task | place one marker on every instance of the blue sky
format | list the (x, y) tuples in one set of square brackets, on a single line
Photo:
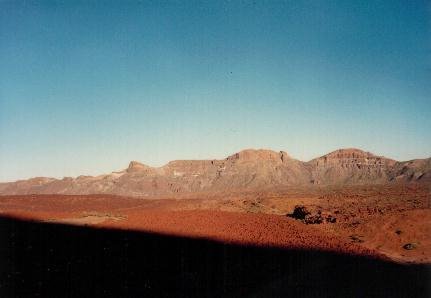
[(87, 86)]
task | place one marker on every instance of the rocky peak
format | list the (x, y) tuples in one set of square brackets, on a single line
[(136, 166)]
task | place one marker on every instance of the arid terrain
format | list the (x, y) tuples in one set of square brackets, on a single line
[(348, 202), (257, 170), (383, 221), (348, 199)]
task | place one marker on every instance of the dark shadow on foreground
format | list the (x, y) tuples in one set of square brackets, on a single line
[(52, 260)]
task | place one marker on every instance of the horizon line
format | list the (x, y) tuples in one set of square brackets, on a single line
[(209, 159)]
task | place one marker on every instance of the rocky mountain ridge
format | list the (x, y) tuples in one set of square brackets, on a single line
[(247, 169)]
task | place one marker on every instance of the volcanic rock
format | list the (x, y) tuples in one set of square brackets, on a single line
[(246, 170)]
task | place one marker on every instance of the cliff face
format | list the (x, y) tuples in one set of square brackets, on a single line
[(351, 166), (248, 169)]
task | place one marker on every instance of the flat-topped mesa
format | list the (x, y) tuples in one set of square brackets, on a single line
[(352, 156), (350, 153), (258, 154), (350, 166)]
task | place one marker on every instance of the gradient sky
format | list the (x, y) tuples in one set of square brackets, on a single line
[(85, 87)]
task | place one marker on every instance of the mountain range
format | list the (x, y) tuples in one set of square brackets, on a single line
[(247, 169)]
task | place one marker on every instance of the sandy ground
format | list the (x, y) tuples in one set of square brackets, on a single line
[(392, 223)]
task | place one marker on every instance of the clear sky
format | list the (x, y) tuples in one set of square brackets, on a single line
[(85, 87)]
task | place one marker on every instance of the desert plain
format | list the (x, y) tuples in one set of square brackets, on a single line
[(349, 203)]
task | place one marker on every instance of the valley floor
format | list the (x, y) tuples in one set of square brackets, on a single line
[(383, 222)]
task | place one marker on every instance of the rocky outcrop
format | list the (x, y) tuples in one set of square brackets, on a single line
[(247, 169), (413, 170), (311, 216), (350, 166)]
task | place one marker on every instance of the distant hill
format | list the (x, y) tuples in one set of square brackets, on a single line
[(247, 169)]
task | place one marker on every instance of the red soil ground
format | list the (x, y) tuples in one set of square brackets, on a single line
[(255, 220)]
